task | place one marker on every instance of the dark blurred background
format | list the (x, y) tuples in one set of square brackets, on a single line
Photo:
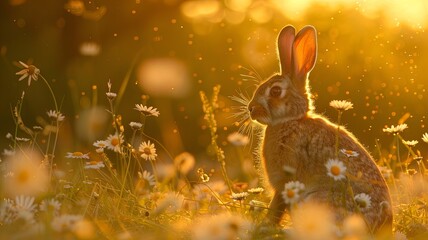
[(373, 54)]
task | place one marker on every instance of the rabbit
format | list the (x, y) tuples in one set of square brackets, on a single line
[(297, 138)]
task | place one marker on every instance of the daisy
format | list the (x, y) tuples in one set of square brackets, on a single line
[(341, 105), (7, 211), (147, 111), (172, 202), (150, 178), (100, 144), (111, 95), (425, 137), (65, 223), (349, 153), (29, 71), (136, 125), (385, 171), (335, 169), (51, 205), (395, 129), (410, 143), (94, 165), (221, 226), (292, 190), (77, 155), (184, 162), (113, 142), (238, 139), (148, 151), (239, 196), (363, 201), (24, 203), (55, 115), (256, 190)]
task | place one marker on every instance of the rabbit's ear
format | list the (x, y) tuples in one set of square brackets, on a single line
[(285, 48), (304, 52)]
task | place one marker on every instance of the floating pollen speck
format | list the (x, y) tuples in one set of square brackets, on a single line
[(90, 49)]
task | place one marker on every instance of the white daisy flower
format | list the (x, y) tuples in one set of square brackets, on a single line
[(238, 139), (395, 129), (94, 165), (65, 223), (256, 190), (55, 115), (292, 190), (148, 151), (150, 178), (7, 211), (172, 202), (341, 105), (114, 142), (77, 155), (100, 144), (239, 196), (349, 153), (411, 143), (29, 71), (24, 203), (335, 169), (184, 162), (136, 125), (51, 205), (148, 111), (425, 137), (363, 201)]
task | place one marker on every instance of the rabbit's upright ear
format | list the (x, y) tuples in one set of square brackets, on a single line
[(285, 49), (304, 53)]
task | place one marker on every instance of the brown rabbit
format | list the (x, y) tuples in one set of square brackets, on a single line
[(296, 138)]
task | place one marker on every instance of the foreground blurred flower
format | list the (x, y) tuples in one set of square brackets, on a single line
[(335, 169), (395, 129), (410, 143), (354, 227), (221, 226), (114, 142), (425, 137), (172, 202), (238, 139), (292, 190), (148, 151), (363, 201), (77, 155), (65, 223), (307, 223), (29, 71), (341, 105), (56, 116), (147, 176), (184, 162), (147, 111), (94, 165), (51, 205), (28, 175), (91, 124), (135, 125)]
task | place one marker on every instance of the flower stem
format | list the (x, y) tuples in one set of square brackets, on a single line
[(339, 116)]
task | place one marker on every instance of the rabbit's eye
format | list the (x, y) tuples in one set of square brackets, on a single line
[(275, 91)]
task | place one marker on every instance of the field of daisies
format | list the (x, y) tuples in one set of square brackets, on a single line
[(118, 190)]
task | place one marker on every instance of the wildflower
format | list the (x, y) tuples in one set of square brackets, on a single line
[(395, 129), (111, 95), (29, 71), (257, 205), (411, 143), (54, 115), (425, 137), (89, 49), (335, 169), (136, 125), (77, 155), (99, 150), (221, 226), (349, 153), (51, 205), (65, 222), (292, 190), (7, 211), (24, 203), (9, 136), (239, 196), (29, 176), (307, 223), (94, 165), (147, 111), (114, 141), (22, 139), (363, 201), (148, 151), (385, 171), (184, 162), (255, 190), (100, 144), (354, 227), (150, 178), (172, 202), (84, 229), (238, 139), (341, 105), (203, 176)]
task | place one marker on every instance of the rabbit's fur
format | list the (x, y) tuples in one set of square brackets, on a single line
[(296, 138)]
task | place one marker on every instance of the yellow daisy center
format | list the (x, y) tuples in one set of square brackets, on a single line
[(290, 193), (31, 70), (335, 170), (147, 151), (350, 152), (77, 154), (115, 141), (23, 176)]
